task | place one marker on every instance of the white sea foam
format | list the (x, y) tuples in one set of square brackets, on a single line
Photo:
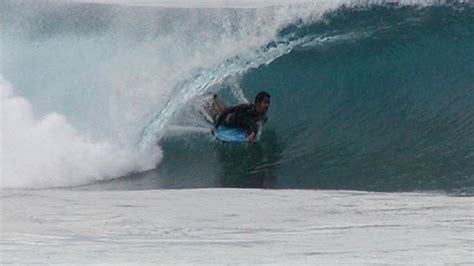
[(234, 226), (48, 151)]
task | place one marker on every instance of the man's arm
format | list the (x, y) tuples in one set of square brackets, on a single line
[(252, 133), (228, 111)]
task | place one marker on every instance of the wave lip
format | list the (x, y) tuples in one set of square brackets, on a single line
[(200, 3), (254, 4)]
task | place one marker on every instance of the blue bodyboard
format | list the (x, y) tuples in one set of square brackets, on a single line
[(228, 134)]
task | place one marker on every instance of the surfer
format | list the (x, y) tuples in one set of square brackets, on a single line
[(248, 117)]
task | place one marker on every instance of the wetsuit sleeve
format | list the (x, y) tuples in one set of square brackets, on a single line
[(227, 112), (221, 117), (255, 127)]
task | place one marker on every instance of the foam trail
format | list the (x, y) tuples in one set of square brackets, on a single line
[(49, 152), (185, 130)]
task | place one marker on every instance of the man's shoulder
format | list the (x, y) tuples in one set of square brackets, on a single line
[(244, 106)]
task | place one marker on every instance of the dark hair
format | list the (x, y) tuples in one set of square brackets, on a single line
[(261, 95)]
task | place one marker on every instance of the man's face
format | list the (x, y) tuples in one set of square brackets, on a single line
[(262, 106)]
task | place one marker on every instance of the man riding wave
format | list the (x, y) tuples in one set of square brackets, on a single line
[(248, 117)]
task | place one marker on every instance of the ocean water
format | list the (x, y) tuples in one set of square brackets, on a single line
[(102, 100), (234, 226)]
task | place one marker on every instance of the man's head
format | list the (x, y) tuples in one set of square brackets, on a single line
[(262, 102)]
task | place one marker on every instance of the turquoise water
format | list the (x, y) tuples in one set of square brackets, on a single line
[(373, 97)]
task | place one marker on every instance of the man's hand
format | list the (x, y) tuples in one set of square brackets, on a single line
[(251, 137)]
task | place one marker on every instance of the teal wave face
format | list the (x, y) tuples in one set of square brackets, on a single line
[(392, 110), (384, 103), (377, 98)]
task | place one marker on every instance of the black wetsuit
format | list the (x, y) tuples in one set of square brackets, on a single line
[(241, 116)]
